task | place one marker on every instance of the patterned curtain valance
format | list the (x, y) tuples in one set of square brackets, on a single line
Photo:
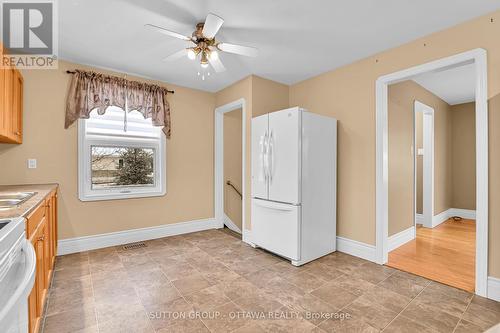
[(90, 90)]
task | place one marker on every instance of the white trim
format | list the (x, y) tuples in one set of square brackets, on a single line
[(449, 213), (419, 218), (494, 288), (478, 57), (85, 142), (440, 218), (86, 243), (463, 213), (219, 162), (357, 249), (247, 238), (401, 238), (428, 162), (231, 225)]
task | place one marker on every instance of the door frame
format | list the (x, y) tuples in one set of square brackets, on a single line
[(219, 163), (478, 57), (427, 165)]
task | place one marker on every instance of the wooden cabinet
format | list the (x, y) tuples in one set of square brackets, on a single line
[(41, 226), (11, 105)]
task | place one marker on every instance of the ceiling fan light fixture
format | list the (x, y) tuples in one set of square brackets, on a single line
[(204, 59), (191, 54)]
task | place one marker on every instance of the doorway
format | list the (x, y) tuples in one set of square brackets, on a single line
[(232, 170), (230, 166), (384, 243)]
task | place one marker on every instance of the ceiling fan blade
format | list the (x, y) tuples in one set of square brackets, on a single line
[(167, 32), (238, 49), (176, 55), (212, 25), (216, 64)]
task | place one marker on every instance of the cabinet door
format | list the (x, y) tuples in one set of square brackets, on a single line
[(7, 102), (40, 274), (33, 297), (47, 260), (17, 107), (2, 104)]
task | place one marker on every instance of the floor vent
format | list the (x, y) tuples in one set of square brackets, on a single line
[(133, 246)]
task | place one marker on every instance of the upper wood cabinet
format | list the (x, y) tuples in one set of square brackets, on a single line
[(11, 105)]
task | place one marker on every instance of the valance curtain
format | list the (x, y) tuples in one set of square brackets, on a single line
[(90, 90)]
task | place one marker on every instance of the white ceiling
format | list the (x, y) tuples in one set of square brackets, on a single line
[(454, 86), (297, 39)]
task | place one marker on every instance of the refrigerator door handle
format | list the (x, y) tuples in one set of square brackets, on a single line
[(263, 156), (270, 153), (274, 205)]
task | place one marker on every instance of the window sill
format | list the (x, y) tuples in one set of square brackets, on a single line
[(120, 196)]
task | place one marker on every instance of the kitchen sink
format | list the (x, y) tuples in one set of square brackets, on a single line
[(14, 199)]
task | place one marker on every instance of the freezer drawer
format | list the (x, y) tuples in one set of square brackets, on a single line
[(275, 227)]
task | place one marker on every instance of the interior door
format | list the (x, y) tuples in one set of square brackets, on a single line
[(260, 136), (284, 155)]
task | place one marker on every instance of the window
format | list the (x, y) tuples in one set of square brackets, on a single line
[(120, 156)]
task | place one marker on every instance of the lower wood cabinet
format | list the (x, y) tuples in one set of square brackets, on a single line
[(42, 233)]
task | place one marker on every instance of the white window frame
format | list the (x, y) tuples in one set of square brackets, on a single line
[(85, 142)]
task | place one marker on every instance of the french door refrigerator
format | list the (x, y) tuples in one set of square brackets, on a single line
[(294, 168)]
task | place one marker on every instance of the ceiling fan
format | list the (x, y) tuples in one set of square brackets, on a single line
[(205, 44)]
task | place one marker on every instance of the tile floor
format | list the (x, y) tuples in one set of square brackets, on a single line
[(212, 282)]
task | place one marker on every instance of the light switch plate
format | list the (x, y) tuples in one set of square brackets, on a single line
[(31, 163)]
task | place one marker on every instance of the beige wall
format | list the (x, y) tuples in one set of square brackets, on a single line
[(463, 123), (268, 96), (348, 94), (232, 165), (261, 96), (189, 160), (401, 165), (463, 157)]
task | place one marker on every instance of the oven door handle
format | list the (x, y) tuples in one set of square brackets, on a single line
[(24, 288)]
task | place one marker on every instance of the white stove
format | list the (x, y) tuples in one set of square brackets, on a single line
[(17, 275)]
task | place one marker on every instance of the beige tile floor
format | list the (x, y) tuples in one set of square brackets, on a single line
[(212, 282)]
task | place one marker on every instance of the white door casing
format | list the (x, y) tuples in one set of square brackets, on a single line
[(428, 163), (219, 163), (479, 58)]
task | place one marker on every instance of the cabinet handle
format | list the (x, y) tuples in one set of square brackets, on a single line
[(41, 239), (18, 133)]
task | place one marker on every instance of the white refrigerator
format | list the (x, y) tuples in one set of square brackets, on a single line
[(294, 182)]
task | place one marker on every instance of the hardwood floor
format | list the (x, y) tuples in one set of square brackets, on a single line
[(445, 254)]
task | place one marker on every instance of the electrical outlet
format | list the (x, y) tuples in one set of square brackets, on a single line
[(31, 163)]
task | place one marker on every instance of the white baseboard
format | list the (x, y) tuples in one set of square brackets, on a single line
[(86, 243), (463, 213), (231, 225), (357, 249), (494, 288), (445, 215), (419, 218), (401, 238)]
